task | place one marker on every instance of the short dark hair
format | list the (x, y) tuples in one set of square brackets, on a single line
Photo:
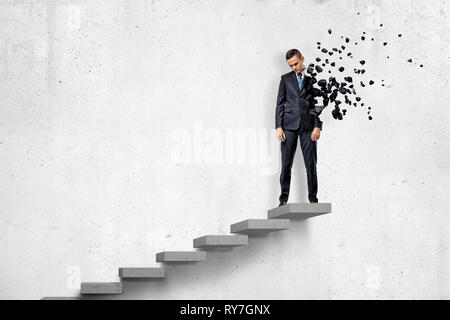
[(293, 52)]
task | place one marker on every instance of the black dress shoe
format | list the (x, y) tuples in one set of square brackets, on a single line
[(282, 203), (317, 201)]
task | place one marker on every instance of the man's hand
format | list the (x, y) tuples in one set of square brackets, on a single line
[(315, 135), (280, 134)]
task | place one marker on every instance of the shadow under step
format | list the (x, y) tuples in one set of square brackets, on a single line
[(132, 273), (101, 288), (299, 210), (220, 241), (259, 226), (180, 256)]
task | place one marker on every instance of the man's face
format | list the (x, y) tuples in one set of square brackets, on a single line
[(296, 64)]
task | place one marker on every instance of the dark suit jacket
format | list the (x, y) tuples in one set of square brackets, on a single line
[(294, 105)]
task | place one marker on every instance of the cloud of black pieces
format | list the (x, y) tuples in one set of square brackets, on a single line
[(330, 89)]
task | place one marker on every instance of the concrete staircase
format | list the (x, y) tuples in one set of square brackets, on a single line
[(278, 219)]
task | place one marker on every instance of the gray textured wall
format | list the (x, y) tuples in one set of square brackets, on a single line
[(114, 118)]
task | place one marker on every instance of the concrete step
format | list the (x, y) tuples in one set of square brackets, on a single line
[(259, 226), (180, 256), (101, 288), (220, 241), (61, 298), (299, 210), (157, 272)]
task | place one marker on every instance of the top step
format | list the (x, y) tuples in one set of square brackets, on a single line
[(299, 210)]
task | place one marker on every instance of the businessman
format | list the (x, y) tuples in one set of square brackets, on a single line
[(295, 117)]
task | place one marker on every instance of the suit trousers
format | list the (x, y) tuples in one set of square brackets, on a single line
[(309, 150)]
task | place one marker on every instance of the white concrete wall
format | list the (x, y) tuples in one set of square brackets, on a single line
[(100, 101)]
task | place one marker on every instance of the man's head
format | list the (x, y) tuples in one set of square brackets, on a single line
[(295, 60)]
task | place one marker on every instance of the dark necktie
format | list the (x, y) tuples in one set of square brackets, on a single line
[(299, 79)]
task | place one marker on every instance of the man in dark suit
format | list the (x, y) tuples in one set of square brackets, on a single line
[(296, 116)]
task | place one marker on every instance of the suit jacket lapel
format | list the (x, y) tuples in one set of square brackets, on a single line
[(304, 79), (294, 78)]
